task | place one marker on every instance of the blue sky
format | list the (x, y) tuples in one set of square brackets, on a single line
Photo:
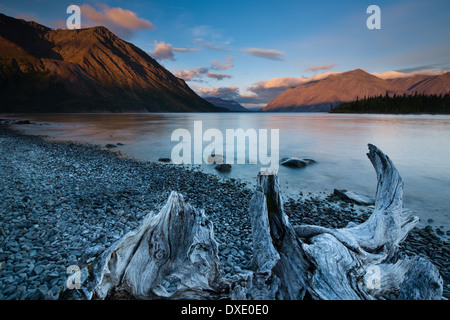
[(251, 50)]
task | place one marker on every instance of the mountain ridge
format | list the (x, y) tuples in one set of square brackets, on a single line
[(84, 70), (325, 94)]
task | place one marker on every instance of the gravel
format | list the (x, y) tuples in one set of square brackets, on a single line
[(61, 201)]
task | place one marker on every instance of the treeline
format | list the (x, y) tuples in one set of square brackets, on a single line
[(398, 104)]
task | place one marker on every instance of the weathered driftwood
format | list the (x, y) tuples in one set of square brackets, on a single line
[(171, 255), (362, 261), (174, 255)]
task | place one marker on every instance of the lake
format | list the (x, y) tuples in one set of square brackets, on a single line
[(419, 146)]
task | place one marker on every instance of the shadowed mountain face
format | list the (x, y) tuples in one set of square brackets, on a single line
[(322, 95), (86, 70), (228, 104)]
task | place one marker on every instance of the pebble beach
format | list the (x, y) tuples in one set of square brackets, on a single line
[(58, 200)]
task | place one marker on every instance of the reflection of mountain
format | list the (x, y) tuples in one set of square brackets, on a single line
[(228, 104), (322, 95), (86, 70)]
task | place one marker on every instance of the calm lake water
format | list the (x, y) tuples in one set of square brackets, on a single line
[(419, 146)]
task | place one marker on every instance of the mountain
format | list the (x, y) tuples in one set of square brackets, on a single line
[(423, 84), (325, 94), (85, 70), (228, 104)]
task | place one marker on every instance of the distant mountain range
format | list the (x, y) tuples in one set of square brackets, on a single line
[(325, 94), (86, 70), (228, 104)]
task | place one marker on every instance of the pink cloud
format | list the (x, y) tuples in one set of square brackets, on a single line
[(217, 65), (327, 67), (224, 92), (162, 51), (120, 21), (396, 74)]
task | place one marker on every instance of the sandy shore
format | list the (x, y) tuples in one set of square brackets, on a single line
[(60, 199)]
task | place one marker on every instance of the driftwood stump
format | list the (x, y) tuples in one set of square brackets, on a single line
[(173, 255)]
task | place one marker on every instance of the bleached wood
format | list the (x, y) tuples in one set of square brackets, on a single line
[(173, 255)]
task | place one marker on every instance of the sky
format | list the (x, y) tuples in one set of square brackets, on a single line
[(250, 51)]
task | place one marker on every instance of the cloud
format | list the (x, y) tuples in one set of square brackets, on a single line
[(216, 65), (223, 92), (425, 68), (197, 74), (185, 49), (188, 75), (396, 74), (205, 31), (211, 46), (217, 76), (163, 51), (265, 53), (121, 22), (314, 69), (210, 38)]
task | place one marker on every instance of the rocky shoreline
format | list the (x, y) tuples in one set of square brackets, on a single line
[(61, 201)]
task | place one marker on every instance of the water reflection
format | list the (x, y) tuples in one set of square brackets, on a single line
[(418, 145)]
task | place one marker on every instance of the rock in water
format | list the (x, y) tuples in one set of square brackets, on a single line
[(224, 167), (355, 197), (296, 162), (22, 122)]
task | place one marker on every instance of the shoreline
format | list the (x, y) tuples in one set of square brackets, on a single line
[(62, 198)]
